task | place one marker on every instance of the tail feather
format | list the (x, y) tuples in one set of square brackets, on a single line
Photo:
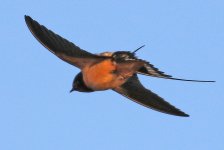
[(187, 79)]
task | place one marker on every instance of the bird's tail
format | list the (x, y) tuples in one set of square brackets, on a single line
[(171, 78)]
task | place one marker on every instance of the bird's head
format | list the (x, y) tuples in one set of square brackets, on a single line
[(79, 85)]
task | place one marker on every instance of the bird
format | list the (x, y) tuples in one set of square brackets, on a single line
[(117, 71)]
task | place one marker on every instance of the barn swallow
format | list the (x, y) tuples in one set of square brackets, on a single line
[(108, 70)]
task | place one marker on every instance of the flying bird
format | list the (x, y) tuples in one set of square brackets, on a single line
[(117, 71)]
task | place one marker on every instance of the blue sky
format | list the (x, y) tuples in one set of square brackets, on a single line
[(182, 38)]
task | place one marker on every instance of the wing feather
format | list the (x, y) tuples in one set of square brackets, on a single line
[(61, 47), (135, 91)]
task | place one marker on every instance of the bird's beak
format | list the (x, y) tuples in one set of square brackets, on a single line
[(72, 90)]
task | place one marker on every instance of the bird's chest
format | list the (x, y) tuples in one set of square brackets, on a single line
[(101, 77)]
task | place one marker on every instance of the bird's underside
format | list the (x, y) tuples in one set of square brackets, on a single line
[(122, 63)]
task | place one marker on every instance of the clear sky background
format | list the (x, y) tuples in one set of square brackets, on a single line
[(182, 38)]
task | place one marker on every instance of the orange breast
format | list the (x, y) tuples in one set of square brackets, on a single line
[(100, 76)]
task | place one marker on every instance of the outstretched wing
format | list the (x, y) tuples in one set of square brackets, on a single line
[(61, 47), (135, 91)]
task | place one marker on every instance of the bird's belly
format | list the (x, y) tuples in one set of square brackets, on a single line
[(101, 77)]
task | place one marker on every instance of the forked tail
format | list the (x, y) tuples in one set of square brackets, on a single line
[(187, 79)]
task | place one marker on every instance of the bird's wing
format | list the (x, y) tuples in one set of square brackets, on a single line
[(135, 91), (61, 47)]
